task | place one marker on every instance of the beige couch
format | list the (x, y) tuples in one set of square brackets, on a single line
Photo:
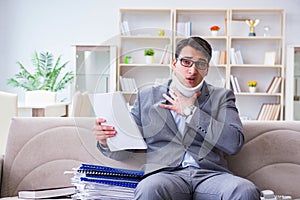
[(40, 150)]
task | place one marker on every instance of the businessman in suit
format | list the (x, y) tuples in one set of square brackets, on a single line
[(188, 126)]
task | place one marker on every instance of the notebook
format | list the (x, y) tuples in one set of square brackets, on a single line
[(113, 108), (46, 193)]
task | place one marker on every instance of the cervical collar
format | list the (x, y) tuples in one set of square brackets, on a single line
[(186, 91)]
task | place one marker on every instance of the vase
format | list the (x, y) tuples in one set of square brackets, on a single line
[(252, 89), (40, 98), (214, 33), (149, 59)]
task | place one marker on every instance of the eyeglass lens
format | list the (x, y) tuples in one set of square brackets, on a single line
[(189, 63)]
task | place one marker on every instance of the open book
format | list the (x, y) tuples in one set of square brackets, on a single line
[(47, 193), (113, 108)]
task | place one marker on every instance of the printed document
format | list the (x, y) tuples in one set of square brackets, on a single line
[(113, 108)]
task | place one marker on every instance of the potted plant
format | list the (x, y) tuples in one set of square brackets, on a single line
[(252, 86), (214, 30), (149, 53), (45, 77)]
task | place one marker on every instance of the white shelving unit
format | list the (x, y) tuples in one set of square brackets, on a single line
[(143, 26), (199, 22), (95, 68), (140, 30), (253, 49), (292, 105)]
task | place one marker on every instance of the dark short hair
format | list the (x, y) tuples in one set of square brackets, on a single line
[(197, 43)]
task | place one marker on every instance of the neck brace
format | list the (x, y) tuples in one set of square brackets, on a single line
[(186, 91)]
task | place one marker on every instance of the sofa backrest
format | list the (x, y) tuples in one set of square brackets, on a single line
[(270, 156), (40, 150)]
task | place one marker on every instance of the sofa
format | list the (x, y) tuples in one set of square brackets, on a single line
[(39, 151)]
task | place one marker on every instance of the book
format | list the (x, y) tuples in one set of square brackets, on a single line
[(128, 84), (239, 57), (47, 193), (274, 85), (109, 171), (214, 61), (165, 55), (233, 57), (233, 84), (184, 28), (125, 28), (222, 58), (237, 84), (271, 85), (277, 84), (269, 111), (112, 107)]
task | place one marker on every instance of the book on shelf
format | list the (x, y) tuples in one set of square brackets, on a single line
[(125, 28), (274, 85), (236, 57), (218, 58), (235, 84), (222, 58), (239, 57), (103, 181), (165, 58), (47, 193), (269, 111), (184, 28), (215, 55), (128, 84), (233, 60)]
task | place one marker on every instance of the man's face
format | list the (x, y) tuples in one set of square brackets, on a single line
[(190, 76)]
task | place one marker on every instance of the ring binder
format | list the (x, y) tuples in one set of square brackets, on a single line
[(103, 181)]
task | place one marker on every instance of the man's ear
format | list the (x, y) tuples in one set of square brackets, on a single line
[(174, 61)]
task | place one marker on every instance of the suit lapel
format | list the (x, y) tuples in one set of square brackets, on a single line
[(202, 99)]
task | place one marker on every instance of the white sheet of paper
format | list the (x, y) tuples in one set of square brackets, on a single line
[(113, 108)]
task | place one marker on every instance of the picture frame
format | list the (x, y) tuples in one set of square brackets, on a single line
[(270, 58)]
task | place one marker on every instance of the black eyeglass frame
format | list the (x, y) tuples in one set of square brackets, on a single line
[(200, 65)]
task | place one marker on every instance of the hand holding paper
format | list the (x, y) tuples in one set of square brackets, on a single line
[(112, 108)]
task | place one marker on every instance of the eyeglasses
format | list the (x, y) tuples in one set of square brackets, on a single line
[(200, 65)]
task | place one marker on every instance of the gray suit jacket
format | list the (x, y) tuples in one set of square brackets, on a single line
[(213, 130)]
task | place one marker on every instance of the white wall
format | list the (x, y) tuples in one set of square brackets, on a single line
[(55, 25)]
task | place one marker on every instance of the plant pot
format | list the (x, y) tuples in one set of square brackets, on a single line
[(40, 98), (214, 33), (149, 59), (252, 89)]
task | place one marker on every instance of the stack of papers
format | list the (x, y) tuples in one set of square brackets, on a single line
[(101, 182)]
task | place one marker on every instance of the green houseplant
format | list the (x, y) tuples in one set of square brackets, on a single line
[(149, 54), (46, 75)]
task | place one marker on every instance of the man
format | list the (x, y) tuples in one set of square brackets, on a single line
[(188, 126)]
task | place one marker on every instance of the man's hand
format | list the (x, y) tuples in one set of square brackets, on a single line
[(178, 101), (103, 132)]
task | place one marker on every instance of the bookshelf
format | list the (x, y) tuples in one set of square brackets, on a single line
[(253, 54), (197, 19), (259, 64), (147, 29)]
